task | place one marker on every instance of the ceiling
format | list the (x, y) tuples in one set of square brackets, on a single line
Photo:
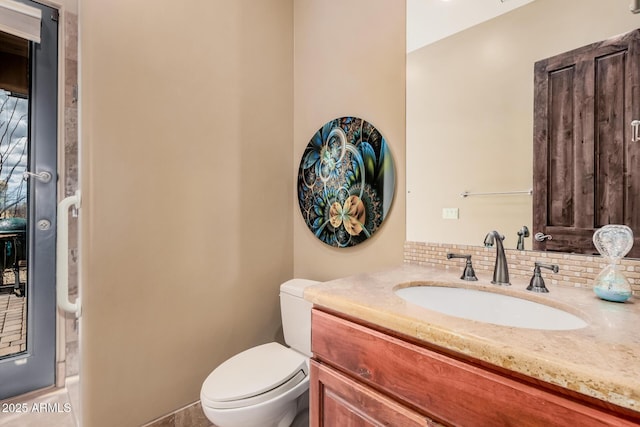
[(432, 20)]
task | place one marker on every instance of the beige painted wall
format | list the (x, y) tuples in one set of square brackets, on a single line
[(186, 112), (470, 115), (349, 60)]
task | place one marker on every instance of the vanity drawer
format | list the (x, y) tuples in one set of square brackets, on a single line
[(447, 389)]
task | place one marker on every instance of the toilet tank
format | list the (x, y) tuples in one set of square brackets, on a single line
[(296, 315)]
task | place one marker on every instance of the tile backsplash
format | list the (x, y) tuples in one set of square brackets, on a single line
[(575, 270)]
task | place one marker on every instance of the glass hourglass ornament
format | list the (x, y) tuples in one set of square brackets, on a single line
[(613, 242)]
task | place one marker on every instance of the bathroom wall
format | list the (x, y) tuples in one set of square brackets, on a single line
[(470, 115), (349, 60), (186, 154)]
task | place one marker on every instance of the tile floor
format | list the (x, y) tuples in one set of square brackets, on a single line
[(51, 408), (189, 416)]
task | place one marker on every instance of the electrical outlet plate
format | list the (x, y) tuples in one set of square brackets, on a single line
[(450, 213)]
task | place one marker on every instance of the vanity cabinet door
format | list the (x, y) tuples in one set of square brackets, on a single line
[(586, 167), (337, 400)]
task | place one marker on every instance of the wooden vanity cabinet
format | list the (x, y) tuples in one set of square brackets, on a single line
[(361, 376)]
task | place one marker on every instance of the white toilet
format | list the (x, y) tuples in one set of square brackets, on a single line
[(267, 385)]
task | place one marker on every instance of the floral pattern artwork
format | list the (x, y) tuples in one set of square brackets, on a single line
[(346, 182)]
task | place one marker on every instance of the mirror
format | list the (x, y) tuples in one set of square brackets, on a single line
[(470, 116)]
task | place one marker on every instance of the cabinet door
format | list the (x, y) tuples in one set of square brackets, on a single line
[(338, 400), (586, 166)]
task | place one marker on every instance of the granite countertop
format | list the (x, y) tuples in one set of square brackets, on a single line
[(601, 360)]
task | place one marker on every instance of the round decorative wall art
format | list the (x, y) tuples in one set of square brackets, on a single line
[(346, 182)]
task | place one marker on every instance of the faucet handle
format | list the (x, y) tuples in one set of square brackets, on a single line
[(524, 232), (537, 282), (552, 267), (468, 273)]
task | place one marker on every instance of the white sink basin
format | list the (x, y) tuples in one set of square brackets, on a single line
[(490, 307)]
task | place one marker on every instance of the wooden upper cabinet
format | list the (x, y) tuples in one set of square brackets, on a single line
[(586, 168)]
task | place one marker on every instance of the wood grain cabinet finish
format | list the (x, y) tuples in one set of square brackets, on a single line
[(364, 377), (348, 403), (586, 167)]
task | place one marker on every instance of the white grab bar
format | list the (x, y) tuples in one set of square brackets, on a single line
[(62, 255)]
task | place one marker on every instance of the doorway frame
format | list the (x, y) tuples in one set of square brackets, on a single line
[(67, 86), (68, 42)]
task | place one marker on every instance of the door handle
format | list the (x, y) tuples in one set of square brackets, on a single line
[(43, 176), (62, 255), (541, 237), (635, 131)]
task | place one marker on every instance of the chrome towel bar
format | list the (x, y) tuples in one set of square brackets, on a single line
[(496, 193)]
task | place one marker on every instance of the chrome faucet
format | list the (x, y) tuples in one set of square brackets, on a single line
[(501, 269)]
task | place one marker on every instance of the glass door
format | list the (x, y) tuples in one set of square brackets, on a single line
[(28, 146)]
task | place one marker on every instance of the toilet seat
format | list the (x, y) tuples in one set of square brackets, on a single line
[(254, 376)]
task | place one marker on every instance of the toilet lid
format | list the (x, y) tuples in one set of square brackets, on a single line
[(252, 373)]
